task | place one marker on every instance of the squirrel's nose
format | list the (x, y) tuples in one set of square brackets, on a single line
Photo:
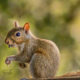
[(6, 41)]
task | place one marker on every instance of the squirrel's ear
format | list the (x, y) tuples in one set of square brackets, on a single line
[(16, 24), (26, 27)]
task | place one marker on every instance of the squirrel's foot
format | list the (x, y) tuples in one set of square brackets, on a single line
[(24, 79), (22, 65)]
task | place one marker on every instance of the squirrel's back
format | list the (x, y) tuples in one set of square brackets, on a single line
[(49, 47)]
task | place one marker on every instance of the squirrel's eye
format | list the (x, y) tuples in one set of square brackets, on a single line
[(18, 34)]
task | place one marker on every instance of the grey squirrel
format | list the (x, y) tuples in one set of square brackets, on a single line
[(42, 55)]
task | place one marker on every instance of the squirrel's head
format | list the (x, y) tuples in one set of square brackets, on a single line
[(18, 35)]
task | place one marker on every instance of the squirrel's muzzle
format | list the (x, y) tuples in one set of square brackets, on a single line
[(6, 41), (9, 42)]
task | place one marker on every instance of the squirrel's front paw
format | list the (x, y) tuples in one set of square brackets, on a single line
[(9, 59)]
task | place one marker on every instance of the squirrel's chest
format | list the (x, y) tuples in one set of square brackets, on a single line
[(25, 49), (21, 47)]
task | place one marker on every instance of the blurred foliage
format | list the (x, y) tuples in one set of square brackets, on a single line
[(56, 20)]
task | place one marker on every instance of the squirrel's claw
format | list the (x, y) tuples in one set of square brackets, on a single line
[(7, 61)]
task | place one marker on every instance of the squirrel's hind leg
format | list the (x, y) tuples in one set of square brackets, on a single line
[(40, 66)]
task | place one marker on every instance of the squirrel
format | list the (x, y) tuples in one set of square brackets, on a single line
[(42, 55)]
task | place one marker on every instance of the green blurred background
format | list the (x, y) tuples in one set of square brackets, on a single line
[(56, 20)]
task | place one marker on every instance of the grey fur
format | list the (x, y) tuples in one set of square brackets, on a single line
[(42, 55)]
